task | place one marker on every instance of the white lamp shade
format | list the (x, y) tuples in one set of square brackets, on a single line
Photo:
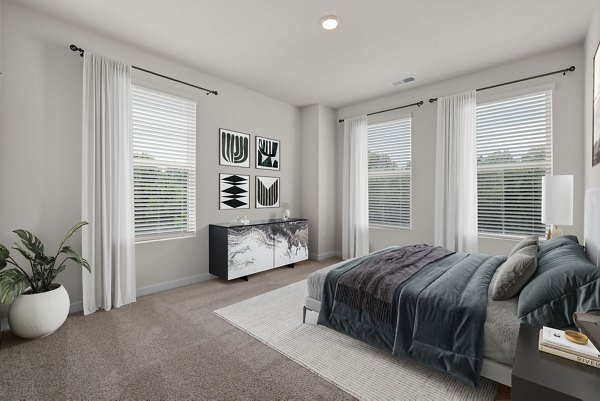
[(557, 200)]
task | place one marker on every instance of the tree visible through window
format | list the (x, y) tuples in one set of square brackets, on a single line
[(164, 164), (514, 152), (390, 168)]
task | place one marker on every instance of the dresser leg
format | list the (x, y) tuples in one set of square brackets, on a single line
[(245, 278), (291, 265)]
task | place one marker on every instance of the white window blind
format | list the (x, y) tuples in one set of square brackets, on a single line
[(390, 173), (514, 152), (164, 165)]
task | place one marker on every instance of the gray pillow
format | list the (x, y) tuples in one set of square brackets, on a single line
[(514, 273), (566, 282), (533, 240)]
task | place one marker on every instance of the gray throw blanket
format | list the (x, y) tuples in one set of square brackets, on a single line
[(371, 285)]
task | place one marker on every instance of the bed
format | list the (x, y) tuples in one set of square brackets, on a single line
[(567, 272)]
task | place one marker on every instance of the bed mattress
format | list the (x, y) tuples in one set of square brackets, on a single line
[(501, 327)]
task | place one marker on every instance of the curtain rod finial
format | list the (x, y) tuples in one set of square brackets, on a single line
[(76, 49), (433, 99)]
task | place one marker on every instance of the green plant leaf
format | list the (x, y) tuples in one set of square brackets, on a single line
[(30, 241), (4, 254), (23, 252), (12, 283), (55, 273), (71, 232), (74, 256)]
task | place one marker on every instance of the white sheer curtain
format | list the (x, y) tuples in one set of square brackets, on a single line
[(355, 207), (456, 173), (107, 181)]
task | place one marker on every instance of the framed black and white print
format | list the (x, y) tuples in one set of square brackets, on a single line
[(267, 192), (234, 191), (234, 148), (596, 110), (267, 153)]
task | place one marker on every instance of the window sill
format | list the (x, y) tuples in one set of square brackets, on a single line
[(160, 239), (393, 228), (505, 237)]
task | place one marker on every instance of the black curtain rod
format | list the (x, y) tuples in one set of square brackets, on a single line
[(418, 104), (563, 71), (208, 91)]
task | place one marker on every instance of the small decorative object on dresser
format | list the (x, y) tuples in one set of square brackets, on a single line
[(237, 250), (285, 213)]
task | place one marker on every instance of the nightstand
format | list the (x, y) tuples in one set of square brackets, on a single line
[(537, 375)]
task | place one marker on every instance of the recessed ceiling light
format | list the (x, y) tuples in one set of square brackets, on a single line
[(330, 22)]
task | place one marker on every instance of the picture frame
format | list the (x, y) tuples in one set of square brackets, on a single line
[(234, 148), (267, 190), (596, 109), (234, 191), (267, 153)]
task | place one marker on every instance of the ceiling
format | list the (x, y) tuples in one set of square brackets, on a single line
[(278, 48)]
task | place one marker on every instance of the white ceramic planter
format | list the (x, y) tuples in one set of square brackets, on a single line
[(37, 315)]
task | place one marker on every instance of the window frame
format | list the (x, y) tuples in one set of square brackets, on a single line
[(191, 228), (389, 119), (496, 95)]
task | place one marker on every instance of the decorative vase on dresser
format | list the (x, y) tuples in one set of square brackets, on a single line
[(239, 250)]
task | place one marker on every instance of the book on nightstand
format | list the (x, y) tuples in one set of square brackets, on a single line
[(554, 342)]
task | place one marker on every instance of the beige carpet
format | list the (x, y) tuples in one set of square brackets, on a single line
[(275, 318), (166, 346)]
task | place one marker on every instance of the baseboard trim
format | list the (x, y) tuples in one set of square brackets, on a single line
[(140, 292), (325, 255), (76, 307), (169, 285)]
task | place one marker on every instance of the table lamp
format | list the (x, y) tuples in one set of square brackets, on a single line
[(557, 202)]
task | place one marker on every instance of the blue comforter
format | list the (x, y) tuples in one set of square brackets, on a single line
[(438, 314)]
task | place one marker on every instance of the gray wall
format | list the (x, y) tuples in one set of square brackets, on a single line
[(592, 174), (328, 203), (309, 123), (567, 128), (319, 200), (40, 137)]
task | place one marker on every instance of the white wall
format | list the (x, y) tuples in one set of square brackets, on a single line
[(40, 143), (319, 200), (567, 144), (328, 202), (592, 174), (309, 123)]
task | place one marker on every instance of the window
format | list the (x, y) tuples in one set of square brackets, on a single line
[(514, 152), (390, 173), (164, 165)]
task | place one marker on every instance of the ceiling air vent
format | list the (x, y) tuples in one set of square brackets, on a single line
[(403, 81)]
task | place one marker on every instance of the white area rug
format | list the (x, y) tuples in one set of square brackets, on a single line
[(275, 318)]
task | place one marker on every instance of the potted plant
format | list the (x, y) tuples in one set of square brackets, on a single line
[(38, 306)]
